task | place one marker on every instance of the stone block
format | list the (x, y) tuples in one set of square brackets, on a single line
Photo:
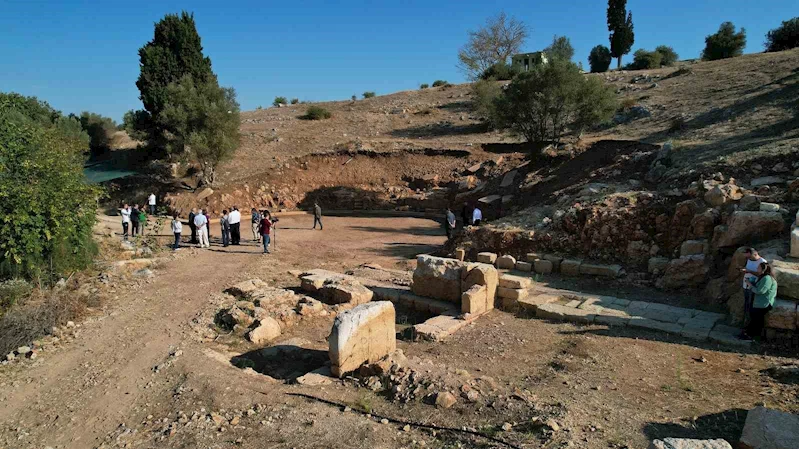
[(532, 257), (438, 277), (766, 180), (769, 207), (562, 313), (268, 329), (486, 258), (474, 300), (787, 276), (544, 266), (555, 259), (662, 316), (511, 281), (482, 274), (506, 262), (365, 333), (687, 271), (439, 327), (646, 323), (745, 227), (532, 302), (693, 247), (608, 271), (460, 254), (524, 266), (570, 267), (685, 443), (695, 333), (511, 293), (345, 292), (657, 265), (783, 315), (728, 335), (244, 288), (770, 429), (612, 320)]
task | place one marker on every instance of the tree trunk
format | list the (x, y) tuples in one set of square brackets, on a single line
[(618, 64), (209, 174)]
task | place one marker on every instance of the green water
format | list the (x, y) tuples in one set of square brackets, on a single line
[(106, 171)]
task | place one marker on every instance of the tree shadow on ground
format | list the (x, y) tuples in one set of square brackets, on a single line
[(727, 425), (284, 362), (406, 250), (440, 129)]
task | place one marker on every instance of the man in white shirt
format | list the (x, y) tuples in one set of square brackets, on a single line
[(125, 212), (477, 216), (234, 218), (151, 202), (753, 261), (201, 223)]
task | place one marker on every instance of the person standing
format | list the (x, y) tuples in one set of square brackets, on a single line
[(235, 225), (200, 222), (125, 212), (142, 220), (207, 225), (151, 202), (255, 220), (265, 230), (134, 220), (753, 261), (317, 215), (193, 228), (764, 289), (177, 229), (477, 216), (224, 223), (450, 224)]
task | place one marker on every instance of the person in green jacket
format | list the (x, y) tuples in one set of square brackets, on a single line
[(765, 290), (142, 220)]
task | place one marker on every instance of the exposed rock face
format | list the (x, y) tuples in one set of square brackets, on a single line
[(689, 271), (748, 227), (482, 274), (787, 276), (267, 329), (365, 333), (749, 202), (723, 194), (346, 292), (437, 277), (684, 443), (693, 247), (770, 429)]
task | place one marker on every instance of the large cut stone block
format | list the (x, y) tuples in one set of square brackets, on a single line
[(770, 429), (365, 333), (345, 292), (556, 260), (512, 293), (685, 443), (608, 271), (524, 266), (511, 281), (559, 312), (787, 277), (486, 258), (783, 315), (570, 267), (438, 277), (687, 271), (244, 288), (481, 274), (506, 262), (543, 266), (475, 300)]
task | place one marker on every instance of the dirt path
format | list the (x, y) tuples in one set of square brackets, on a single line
[(76, 396)]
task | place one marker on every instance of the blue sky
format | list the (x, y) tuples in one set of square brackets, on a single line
[(82, 55)]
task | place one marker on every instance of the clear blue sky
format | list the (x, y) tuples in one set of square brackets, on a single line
[(82, 55)]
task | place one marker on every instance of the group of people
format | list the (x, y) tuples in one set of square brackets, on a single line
[(471, 216), (134, 220), (229, 224), (760, 291)]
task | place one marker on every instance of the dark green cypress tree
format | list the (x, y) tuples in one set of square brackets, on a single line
[(620, 25)]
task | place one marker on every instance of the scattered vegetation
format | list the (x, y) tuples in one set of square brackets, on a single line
[(668, 55), (628, 102), (424, 86), (279, 100), (600, 59), (316, 113), (11, 291), (354, 98), (99, 128), (295, 100), (620, 25), (494, 43), (643, 59), (259, 107), (485, 94), (440, 83), (541, 104), (500, 71), (560, 48), (785, 37), (369, 94), (53, 217), (725, 43)]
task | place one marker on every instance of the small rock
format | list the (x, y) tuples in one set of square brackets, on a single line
[(445, 399), (22, 350), (740, 371), (384, 421), (407, 428), (552, 424), (70, 324), (507, 426), (235, 421)]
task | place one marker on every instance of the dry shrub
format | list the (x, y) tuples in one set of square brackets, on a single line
[(37, 316), (628, 102)]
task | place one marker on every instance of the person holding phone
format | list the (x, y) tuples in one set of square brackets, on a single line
[(750, 270)]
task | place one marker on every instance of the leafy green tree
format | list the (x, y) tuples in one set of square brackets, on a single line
[(561, 47), (175, 51), (203, 120), (424, 86), (369, 94), (494, 43), (643, 59), (667, 55), (99, 129), (138, 124), (785, 37), (725, 43), (543, 102), (47, 205), (279, 100), (620, 25), (500, 71), (599, 59), (485, 94)]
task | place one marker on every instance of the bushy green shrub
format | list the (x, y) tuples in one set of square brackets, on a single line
[(295, 100), (279, 100), (560, 48), (99, 129), (500, 72), (785, 37), (438, 83), (667, 55), (424, 86), (484, 100), (51, 219), (643, 60), (316, 113), (11, 291), (369, 94), (354, 98), (542, 103), (599, 59), (725, 43)]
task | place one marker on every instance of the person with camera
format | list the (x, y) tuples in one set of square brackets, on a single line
[(265, 229)]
